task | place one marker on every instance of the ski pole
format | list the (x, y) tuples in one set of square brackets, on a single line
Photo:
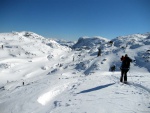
[(131, 77)]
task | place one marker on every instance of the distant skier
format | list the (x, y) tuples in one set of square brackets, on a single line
[(2, 46), (99, 52), (112, 68), (110, 43), (125, 66)]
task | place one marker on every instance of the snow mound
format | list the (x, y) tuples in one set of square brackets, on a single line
[(47, 97)]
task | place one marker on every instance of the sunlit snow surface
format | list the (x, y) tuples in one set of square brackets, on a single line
[(45, 98), (39, 75)]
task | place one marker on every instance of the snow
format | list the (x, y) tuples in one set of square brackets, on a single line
[(51, 94), (39, 75)]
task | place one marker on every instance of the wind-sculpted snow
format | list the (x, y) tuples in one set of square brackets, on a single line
[(45, 98), (39, 75)]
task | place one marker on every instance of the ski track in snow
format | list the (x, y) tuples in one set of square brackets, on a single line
[(111, 99), (136, 85)]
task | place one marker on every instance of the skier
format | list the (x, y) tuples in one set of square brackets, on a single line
[(125, 67), (110, 43), (99, 52), (112, 68)]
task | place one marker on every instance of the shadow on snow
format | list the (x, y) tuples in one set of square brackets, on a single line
[(96, 88)]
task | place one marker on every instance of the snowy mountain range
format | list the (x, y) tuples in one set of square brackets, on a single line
[(41, 75)]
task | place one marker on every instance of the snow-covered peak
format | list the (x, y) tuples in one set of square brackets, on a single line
[(65, 42), (88, 42), (27, 44), (29, 33)]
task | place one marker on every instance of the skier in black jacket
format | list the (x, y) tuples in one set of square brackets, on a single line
[(125, 67)]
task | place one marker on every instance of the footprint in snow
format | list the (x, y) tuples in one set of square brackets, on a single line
[(57, 103)]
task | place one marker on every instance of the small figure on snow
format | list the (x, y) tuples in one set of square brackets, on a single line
[(110, 43), (99, 52), (125, 66), (112, 68)]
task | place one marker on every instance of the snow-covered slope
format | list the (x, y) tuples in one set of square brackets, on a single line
[(137, 46), (23, 51), (39, 75)]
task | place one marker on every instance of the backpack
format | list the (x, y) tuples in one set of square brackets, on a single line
[(126, 63)]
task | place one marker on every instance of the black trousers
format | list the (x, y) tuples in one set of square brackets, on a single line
[(124, 75)]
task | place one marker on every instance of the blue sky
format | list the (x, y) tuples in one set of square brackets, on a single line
[(71, 19)]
